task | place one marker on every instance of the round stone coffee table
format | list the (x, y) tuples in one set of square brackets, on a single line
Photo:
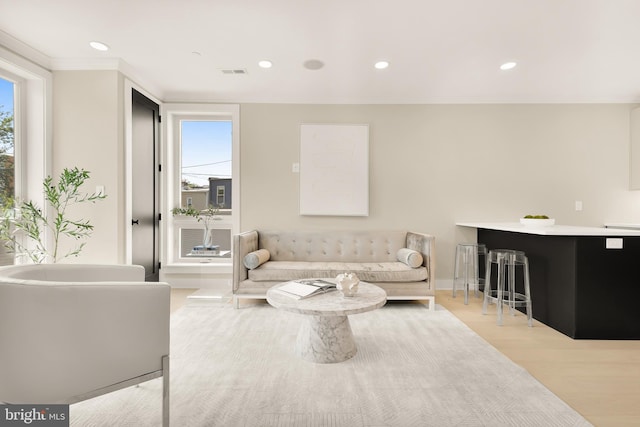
[(325, 334)]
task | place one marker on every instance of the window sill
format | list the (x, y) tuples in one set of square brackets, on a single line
[(203, 267)]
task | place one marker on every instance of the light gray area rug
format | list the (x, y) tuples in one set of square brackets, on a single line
[(414, 367)]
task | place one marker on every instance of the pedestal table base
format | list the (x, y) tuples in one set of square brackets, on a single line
[(325, 339)]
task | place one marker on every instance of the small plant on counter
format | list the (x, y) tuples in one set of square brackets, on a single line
[(24, 226)]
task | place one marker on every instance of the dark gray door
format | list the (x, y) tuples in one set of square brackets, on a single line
[(145, 207)]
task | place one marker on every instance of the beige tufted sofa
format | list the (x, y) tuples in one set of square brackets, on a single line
[(388, 259)]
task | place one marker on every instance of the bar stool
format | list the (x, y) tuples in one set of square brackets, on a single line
[(507, 262), (466, 268)]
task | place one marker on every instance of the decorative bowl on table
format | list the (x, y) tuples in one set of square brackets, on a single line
[(347, 283), (537, 221)]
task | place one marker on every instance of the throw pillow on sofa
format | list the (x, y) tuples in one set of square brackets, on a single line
[(410, 257), (256, 258)]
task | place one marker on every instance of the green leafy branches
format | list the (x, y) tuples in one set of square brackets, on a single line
[(23, 225), (205, 216)]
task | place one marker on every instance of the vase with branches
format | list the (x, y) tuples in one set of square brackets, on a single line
[(24, 226), (206, 217)]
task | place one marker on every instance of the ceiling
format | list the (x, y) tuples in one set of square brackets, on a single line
[(440, 51)]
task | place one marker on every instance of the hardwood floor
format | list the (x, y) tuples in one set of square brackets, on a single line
[(599, 379), (179, 297)]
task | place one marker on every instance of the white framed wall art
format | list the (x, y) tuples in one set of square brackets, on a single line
[(334, 169)]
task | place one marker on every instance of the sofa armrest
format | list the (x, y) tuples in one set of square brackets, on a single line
[(425, 244), (243, 244)]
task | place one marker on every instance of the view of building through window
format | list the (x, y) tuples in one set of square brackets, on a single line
[(206, 163)]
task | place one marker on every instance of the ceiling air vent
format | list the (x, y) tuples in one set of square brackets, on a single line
[(234, 71)]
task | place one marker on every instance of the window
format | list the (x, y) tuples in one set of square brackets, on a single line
[(203, 147), (206, 147), (7, 141), (7, 152), (25, 94), (206, 158), (220, 192)]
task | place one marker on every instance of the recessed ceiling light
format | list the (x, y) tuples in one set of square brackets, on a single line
[(381, 65), (265, 64), (99, 46), (508, 65)]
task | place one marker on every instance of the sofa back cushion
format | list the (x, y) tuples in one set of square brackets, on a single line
[(345, 246)]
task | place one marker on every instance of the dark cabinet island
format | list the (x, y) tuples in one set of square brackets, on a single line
[(584, 280)]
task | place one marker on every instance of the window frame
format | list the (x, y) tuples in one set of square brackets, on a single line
[(174, 114), (32, 126)]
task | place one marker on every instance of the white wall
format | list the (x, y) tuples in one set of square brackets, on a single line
[(430, 165), (434, 165), (88, 133)]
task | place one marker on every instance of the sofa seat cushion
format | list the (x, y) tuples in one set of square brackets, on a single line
[(394, 271)]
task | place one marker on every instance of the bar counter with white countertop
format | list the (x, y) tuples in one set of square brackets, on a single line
[(554, 230), (585, 281)]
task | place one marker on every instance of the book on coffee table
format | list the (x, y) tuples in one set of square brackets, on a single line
[(306, 288)]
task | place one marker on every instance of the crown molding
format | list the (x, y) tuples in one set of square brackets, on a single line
[(116, 64), (68, 64), (24, 51), (132, 74), (23, 54)]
